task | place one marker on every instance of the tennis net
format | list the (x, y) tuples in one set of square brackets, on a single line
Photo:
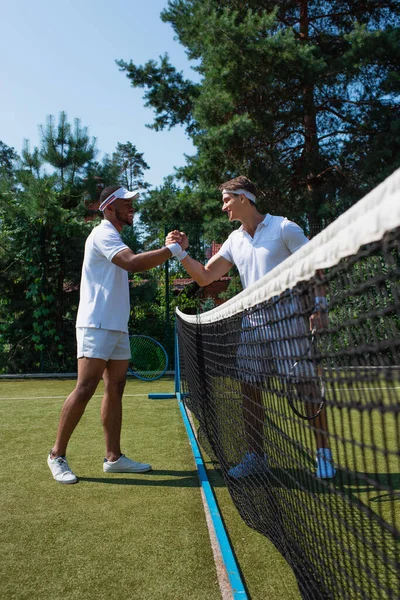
[(304, 425)]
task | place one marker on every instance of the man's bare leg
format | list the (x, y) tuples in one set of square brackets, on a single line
[(320, 424), (325, 467), (254, 416), (254, 460), (111, 415), (114, 377), (90, 371)]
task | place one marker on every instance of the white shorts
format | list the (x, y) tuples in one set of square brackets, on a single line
[(269, 348), (102, 343)]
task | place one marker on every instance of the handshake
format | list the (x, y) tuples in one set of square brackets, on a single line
[(177, 242)]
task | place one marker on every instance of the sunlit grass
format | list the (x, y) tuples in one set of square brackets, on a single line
[(110, 536), (115, 536)]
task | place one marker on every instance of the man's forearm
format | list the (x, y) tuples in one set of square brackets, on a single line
[(149, 260), (135, 263), (197, 271), (216, 267)]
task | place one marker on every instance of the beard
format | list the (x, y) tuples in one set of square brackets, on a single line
[(127, 220)]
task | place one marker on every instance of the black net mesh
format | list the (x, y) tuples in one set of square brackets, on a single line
[(268, 393)]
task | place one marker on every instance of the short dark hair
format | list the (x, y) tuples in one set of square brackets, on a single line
[(108, 191), (239, 183)]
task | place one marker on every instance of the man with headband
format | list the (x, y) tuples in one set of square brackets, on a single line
[(102, 332), (260, 244)]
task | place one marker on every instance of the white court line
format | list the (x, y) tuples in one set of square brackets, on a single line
[(340, 389), (363, 389), (61, 397)]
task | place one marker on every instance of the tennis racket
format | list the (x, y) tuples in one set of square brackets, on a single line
[(306, 388), (149, 359)]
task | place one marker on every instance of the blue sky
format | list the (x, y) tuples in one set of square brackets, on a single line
[(61, 56)]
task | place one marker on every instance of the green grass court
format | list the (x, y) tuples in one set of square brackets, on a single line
[(359, 507), (114, 536)]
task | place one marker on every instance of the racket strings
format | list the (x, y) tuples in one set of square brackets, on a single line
[(306, 389), (149, 359)]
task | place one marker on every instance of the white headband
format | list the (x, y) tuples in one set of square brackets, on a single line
[(248, 195), (121, 193)]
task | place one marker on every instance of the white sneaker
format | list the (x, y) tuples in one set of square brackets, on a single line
[(61, 470), (125, 465), (252, 464)]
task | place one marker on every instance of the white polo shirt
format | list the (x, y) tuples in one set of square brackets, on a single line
[(104, 293), (275, 239)]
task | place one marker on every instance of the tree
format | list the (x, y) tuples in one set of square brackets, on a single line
[(42, 236), (125, 167), (66, 148), (31, 162), (41, 251), (168, 206), (131, 166), (298, 95), (8, 156), (69, 150)]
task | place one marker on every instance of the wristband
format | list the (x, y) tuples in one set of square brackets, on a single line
[(176, 250), (321, 304)]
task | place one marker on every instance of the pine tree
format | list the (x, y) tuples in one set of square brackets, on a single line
[(69, 150), (8, 157), (301, 96), (131, 166)]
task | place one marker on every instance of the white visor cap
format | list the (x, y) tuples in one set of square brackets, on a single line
[(120, 193)]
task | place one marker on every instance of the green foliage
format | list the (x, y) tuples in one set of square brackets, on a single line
[(131, 166), (234, 287), (126, 167), (40, 260), (372, 307), (207, 304), (302, 97), (31, 162), (42, 240), (66, 148), (169, 94), (7, 158), (42, 236), (189, 209)]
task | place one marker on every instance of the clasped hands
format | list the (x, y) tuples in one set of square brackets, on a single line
[(177, 237)]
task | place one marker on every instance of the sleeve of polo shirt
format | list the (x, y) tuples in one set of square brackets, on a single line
[(225, 250), (293, 236), (109, 243)]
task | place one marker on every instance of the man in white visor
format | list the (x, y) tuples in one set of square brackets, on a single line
[(260, 244), (102, 332)]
